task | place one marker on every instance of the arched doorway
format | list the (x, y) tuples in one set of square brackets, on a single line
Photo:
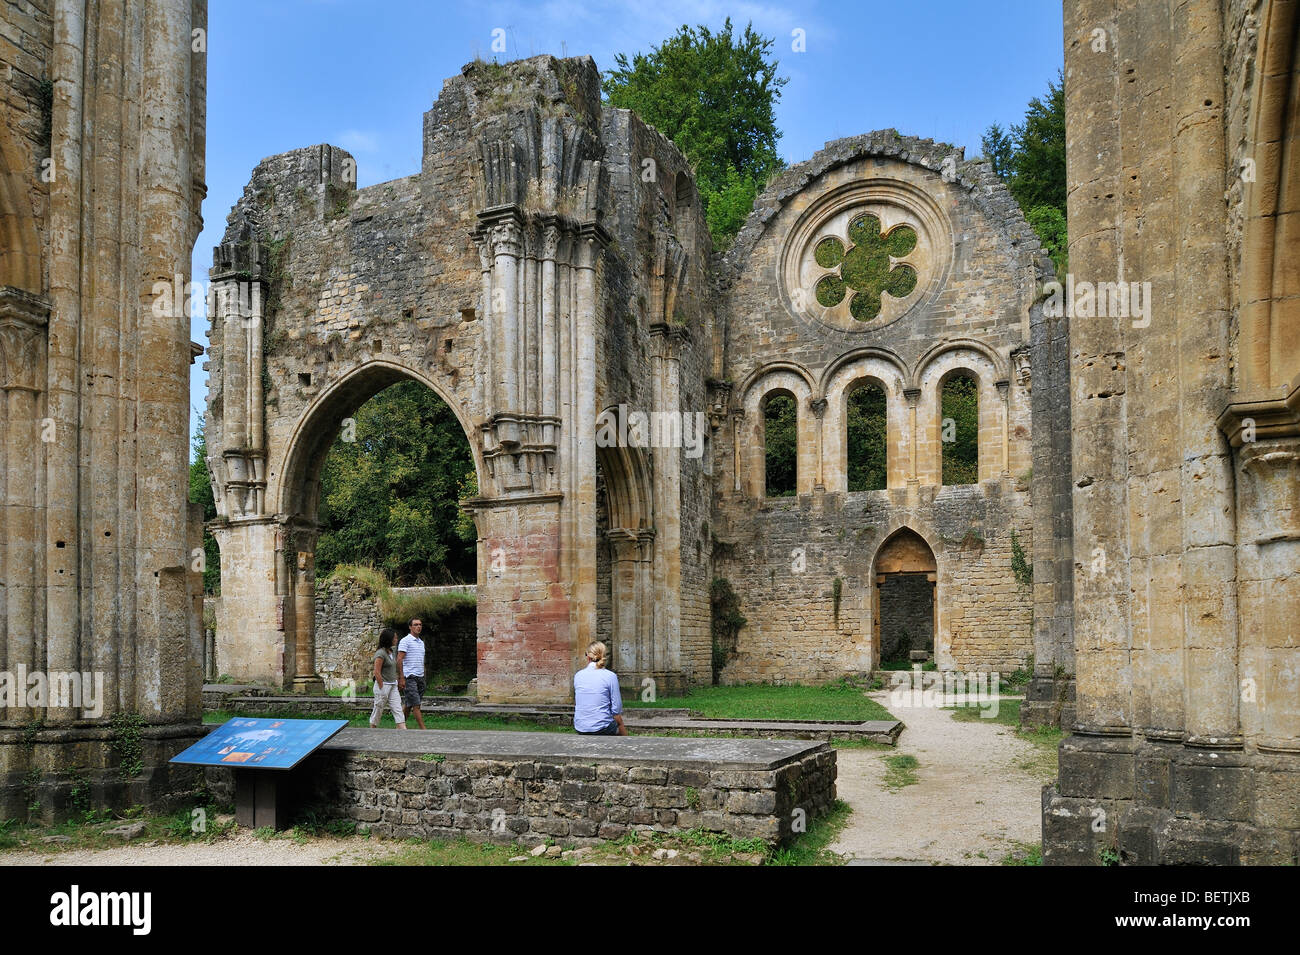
[(905, 606), (269, 531), (626, 564), (353, 425)]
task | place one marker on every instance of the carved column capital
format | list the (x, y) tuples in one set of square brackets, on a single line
[(1022, 368), (23, 318)]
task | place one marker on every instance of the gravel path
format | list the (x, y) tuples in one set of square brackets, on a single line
[(971, 804), (243, 849)]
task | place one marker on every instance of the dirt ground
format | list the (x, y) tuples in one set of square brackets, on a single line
[(973, 803), (244, 849)]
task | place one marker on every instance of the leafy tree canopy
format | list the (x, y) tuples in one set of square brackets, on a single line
[(868, 439), (713, 94), (781, 445), (1031, 160), (390, 498), (961, 406), (201, 493)]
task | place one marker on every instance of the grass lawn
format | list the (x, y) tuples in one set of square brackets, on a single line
[(900, 771), (450, 721), (835, 701)]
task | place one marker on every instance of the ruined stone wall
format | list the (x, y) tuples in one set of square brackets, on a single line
[(978, 268), (1187, 728), (348, 622), (101, 179), (532, 274), (532, 798)]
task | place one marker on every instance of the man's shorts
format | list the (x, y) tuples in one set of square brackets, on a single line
[(414, 691), (610, 730)]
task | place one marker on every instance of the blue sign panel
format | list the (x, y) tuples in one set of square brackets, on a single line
[(251, 743)]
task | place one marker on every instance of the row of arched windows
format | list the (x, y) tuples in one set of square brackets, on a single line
[(867, 436)]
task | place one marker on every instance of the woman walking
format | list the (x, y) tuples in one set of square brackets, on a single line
[(385, 672)]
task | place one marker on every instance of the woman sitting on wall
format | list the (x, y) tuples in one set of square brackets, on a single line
[(597, 705)]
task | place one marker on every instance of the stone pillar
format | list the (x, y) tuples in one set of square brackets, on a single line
[(95, 496), (526, 639), (305, 679), (646, 621), (913, 395), (737, 454), (1004, 392), (22, 361), (667, 475), (818, 406)]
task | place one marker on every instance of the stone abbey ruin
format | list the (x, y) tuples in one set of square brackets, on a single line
[(548, 273)]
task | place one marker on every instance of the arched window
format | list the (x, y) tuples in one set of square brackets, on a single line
[(959, 429), (868, 438), (780, 443)]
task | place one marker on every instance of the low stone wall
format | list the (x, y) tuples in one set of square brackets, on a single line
[(348, 622), (529, 787), (347, 625)]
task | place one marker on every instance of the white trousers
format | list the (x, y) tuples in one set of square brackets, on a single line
[(386, 694)]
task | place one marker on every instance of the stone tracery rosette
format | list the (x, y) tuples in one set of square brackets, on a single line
[(864, 255)]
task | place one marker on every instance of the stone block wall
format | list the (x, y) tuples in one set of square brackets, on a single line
[(1182, 134), (579, 801), (347, 628), (348, 621), (793, 633), (979, 268)]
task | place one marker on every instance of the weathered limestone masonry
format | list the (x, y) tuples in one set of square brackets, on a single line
[(977, 270), (101, 179), (348, 621), (548, 274), (1186, 454), (545, 265), (529, 787)]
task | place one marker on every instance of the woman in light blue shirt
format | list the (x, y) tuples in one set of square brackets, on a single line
[(597, 704)]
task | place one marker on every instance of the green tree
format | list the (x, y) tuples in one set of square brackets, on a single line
[(1049, 223), (961, 407), (781, 445), (714, 95), (1038, 159), (997, 149), (867, 439), (390, 498), (1031, 161), (201, 493)]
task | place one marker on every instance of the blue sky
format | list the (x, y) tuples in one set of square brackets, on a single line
[(361, 73)]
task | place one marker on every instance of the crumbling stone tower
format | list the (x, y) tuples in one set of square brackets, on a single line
[(545, 267), (101, 178), (1183, 124)]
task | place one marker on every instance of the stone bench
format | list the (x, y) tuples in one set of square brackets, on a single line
[(528, 787)]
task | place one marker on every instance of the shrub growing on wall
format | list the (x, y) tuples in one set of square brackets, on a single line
[(726, 621)]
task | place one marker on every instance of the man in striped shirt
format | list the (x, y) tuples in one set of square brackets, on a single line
[(410, 670)]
